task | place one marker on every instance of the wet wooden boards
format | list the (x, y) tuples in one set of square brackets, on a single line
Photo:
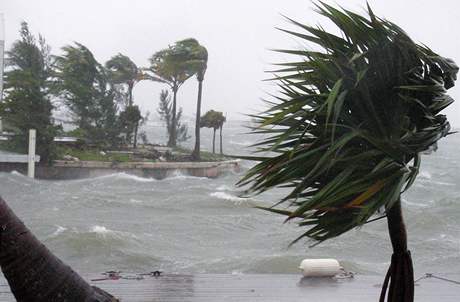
[(257, 288)]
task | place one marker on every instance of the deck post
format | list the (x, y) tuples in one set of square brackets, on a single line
[(31, 158)]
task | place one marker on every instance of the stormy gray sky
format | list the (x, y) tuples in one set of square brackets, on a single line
[(237, 33)]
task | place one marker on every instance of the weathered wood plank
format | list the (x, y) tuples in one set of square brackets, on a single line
[(257, 288), (11, 157)]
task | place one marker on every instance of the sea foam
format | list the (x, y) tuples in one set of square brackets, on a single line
[(59, 230), (229, 197)]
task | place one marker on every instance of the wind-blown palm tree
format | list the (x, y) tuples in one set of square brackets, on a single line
[(220, 138), (124, 71), (33, 272), (84, 86), (79, 79), (170, 66), (198, 63), (215, 120), (348, 129)]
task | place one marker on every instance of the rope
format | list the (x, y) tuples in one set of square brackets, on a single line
[(429, 275), (117, 275), (345, 274)]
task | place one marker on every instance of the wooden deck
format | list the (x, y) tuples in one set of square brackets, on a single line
[(11, 157), (258, 288)]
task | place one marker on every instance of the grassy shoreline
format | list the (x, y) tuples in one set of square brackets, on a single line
[(178, 154)]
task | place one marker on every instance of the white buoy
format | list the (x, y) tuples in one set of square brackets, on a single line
[(320, 267)]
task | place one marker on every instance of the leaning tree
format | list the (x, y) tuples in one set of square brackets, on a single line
[(197, 62), (33, 272), (123, 71), (27, 103), (347, 130), (85, 88), (170, 66)]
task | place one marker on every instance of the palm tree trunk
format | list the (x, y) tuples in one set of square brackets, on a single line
[(400, 275), (173, 135), (33, 272), (221, 151), (136, 129), (214, 141), (130, 104), (130, 94), (196, 151)]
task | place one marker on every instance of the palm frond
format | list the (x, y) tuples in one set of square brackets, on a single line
[(350, 122)]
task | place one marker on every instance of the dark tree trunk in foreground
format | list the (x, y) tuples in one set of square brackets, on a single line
[(221, 151), (33, 272), (400, 276), (196, 151)]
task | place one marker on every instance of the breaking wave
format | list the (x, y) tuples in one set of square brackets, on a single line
[(229, 197)]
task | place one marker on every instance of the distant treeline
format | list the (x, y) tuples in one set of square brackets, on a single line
[(98, 97)]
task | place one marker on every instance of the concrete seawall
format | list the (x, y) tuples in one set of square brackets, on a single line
[(65, 170)]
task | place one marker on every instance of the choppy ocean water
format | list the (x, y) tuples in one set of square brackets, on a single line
[(186, 224)]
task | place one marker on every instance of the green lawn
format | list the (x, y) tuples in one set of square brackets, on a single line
[(205, 155), (92, 155)]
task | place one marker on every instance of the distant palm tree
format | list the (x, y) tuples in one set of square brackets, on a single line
[(123, 70), (220, 135), (33, 272), (170, 66), (215, 120), (348, 129)]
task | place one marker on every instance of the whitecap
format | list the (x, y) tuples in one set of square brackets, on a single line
[(19, 178), (14, 172), (100, 230), (132, 200), (224, 188), (115, 176), (178, 175), (229, 197), (59, 230), (425, 174), (103, 231), (134, 177)]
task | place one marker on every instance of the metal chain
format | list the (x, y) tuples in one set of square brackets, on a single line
[(117, 275), (428, 275)]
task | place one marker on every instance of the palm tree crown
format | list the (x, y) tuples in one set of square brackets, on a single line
[(123, 70), (348, 128), (351, 121), (197, 62), (170, 66)]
